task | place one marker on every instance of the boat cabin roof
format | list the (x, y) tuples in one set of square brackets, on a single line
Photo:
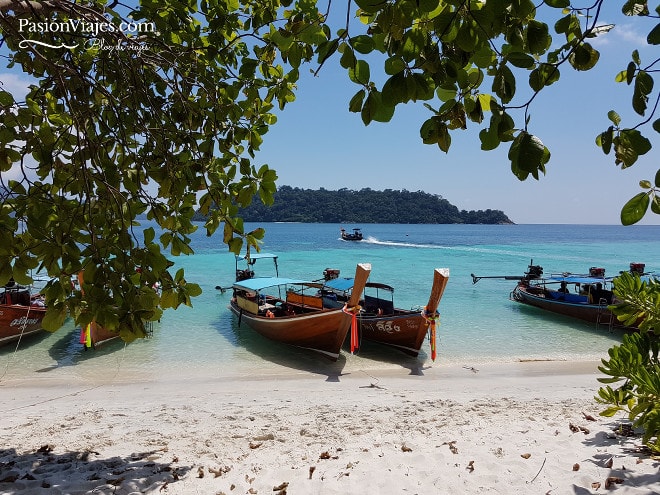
[(577, 279), (260, 283), (256, 256), (347, 283), (340, 283)]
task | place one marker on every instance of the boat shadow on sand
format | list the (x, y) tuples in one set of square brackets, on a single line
[(281, 354), (300, 359), (390, 357), (68, 351)]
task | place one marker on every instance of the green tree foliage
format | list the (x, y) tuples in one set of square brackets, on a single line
[(160, 108), (635, 362), (294, 204)]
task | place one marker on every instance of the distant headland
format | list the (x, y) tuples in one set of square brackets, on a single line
[(293, 204)]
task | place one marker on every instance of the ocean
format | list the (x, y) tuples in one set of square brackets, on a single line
[(479, 324)]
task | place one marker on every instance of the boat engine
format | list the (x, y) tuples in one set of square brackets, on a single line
[(637, 268)]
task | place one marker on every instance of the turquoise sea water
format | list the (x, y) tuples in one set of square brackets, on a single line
[(478, 322)]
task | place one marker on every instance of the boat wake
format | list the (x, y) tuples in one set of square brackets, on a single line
[(373, 240), (458, 248)]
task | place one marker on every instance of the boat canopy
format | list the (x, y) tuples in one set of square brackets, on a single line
[(260, 283), (256, 256), (342, 284), (577, 279), (347, 284)]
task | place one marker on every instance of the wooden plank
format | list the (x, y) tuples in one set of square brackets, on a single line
[(362, 272), (440, 279)]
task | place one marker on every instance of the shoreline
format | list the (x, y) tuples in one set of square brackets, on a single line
[(506, 428)]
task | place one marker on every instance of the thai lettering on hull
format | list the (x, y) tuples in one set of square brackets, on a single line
[(23, 320)]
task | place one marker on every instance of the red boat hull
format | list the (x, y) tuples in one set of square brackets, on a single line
[(321, 331), (404, 330), (17, 320)]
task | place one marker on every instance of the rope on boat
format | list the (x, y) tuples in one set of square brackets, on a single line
[(18, 342), (433, 321), (353, 312)]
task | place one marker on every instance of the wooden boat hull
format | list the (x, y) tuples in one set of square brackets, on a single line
[(403, 330), (320, 331), (17, 320), (593, 313)]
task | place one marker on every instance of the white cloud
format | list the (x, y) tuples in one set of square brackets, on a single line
[(16, 84), (630, 34)]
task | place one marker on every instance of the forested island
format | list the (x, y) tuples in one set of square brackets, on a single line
[(293, 204)]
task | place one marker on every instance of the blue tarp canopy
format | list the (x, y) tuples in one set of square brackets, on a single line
[(340, 283), (260, 283), (577, 279), (257, 256)]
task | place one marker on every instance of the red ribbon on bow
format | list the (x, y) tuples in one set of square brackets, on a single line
[(354, 326)]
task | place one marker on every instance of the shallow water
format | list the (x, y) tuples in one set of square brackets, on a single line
[(478, 322)]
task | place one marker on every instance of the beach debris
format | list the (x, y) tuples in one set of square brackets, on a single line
[(470, 466), (326, 455), (609, 462), (526, 455), (200, 472), (373, 385), (576, 467), (405, 448), (262, 438), (540, 469), (45, 449), (611, 481), (624, 430), (452, 446), (311, 471), (10, 478), (220, 471), (164, 487), (575, 428), (256, 445), (595, 485), (588, 417), (281, 488), (471, 368)]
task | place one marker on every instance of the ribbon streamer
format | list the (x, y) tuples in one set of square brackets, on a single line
[(354, 325)]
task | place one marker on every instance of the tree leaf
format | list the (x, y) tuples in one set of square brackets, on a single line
[(528, 155), (558, 4), (504, 84), (584, 57), (538, 38), (633, 211)]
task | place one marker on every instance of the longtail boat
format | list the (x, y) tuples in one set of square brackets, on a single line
[(381, 322), (356, 235), (21, 313), (291, 311), (94, 335), (582, 296)]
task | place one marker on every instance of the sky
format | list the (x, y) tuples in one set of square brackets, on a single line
[(318, 143)]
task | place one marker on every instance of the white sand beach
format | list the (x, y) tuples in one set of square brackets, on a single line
[(528, 428)]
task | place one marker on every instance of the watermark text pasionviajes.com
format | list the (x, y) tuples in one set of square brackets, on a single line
[(93, 29), (84, 27)]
